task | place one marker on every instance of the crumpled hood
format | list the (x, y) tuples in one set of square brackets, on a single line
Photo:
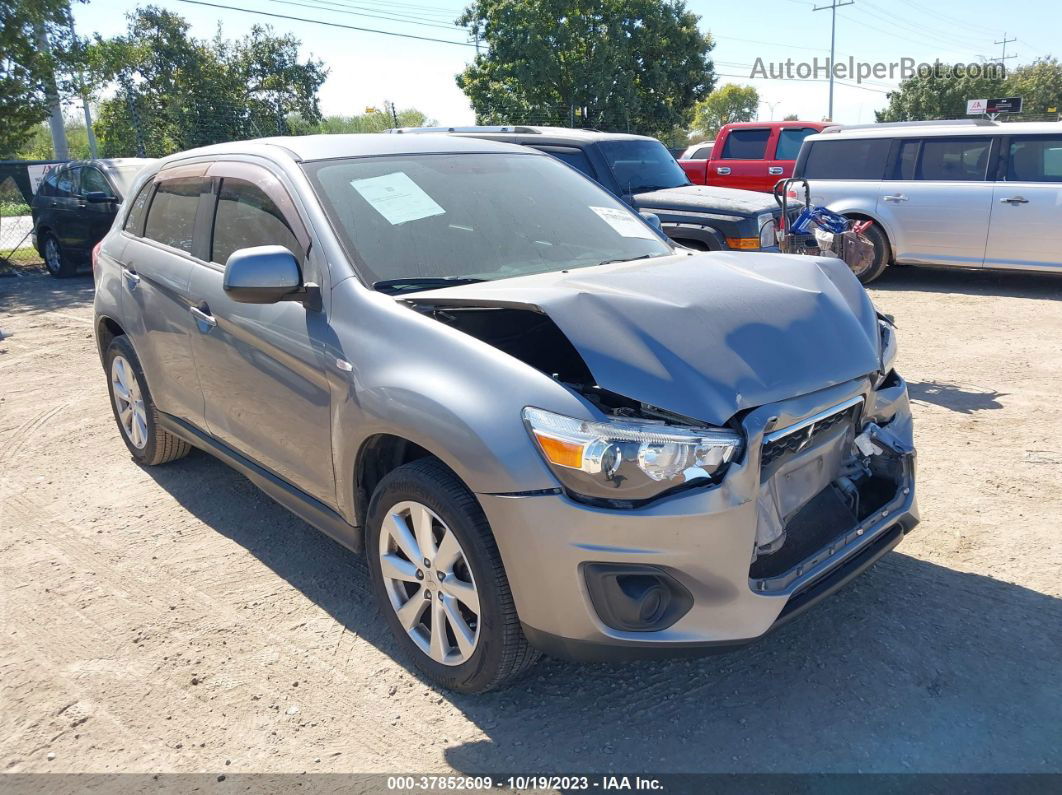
[(708, 198), (704, 335)]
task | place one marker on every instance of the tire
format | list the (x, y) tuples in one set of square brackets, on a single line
[(137, 418), (882, 254), (58, 263), (499, 653)]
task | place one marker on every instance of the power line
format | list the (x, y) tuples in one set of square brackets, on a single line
[(366, 14), (327, 24), (391, 9)]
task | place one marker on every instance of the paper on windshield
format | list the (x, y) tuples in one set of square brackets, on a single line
[(396, 197), (624, 223)]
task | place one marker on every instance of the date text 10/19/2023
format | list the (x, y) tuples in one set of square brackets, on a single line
[(518, 783)]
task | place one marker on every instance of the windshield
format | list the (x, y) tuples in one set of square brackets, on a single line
[(412, 221), (641, 166)]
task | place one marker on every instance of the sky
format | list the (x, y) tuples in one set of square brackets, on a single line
[(368, 68)]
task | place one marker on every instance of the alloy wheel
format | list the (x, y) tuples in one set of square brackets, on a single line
[(129, 402), (429, 583), (52, 257)]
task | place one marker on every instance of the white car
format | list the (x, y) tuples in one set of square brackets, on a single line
[(974, 194)]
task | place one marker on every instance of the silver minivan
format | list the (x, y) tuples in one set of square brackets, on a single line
[(974, 194), (548, 427)]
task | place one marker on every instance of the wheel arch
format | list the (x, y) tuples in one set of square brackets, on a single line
[(107, 329)]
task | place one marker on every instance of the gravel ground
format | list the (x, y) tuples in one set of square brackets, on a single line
[(177, 620)]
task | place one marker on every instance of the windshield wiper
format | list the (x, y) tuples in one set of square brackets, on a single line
[(408, 283), (630, 259)]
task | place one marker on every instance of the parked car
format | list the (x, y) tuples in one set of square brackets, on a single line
[(643, 174), (547, 427), (701, 151), (74, 207), (751, 155), (974, 194)]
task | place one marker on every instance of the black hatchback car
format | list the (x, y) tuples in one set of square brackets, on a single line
[(640, 171), (74, 207)]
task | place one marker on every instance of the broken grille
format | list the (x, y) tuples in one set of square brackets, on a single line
[(795, 438)]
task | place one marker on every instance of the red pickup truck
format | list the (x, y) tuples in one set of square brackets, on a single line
[(752, 155)]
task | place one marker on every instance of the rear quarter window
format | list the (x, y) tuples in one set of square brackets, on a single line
[(855, 158)]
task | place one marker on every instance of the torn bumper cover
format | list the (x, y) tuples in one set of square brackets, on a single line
[(825, 488)]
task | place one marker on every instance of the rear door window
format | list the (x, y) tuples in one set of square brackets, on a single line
[(1035, 159), (247, 217), (853, 159), (789, 141), (171, 219), (953, 159), (746, 144)]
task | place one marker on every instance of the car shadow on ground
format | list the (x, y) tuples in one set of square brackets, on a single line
[(31, 292), (1011, 284), (963, 399), (912, 667)]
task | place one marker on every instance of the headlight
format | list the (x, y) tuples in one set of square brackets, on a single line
[(887, 332), (625, 460), (768, 231)]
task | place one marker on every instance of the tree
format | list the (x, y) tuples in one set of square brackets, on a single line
[(632, 65), (176, 92), (791, 117), (938, 95), (1039, 84), (29, 74), (729, 104), (375, 121)]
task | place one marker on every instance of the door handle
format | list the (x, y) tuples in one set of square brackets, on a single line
[(899, 197), (775, 171), (203, 318), (723, 170), (132, 277), (1014, 200)]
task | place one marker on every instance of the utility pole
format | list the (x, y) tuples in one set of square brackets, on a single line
[(55, 119), (833, 38), (1004, 57)]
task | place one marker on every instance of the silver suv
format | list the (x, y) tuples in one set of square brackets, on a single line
[(547, 426), (974, 194)]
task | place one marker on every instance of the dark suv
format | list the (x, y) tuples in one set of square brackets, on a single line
[(74, 207), (642, 172)]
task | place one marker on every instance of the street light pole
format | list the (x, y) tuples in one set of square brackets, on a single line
[(833, 39)]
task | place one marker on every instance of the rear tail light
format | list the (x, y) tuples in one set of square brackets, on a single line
[(96, 261)]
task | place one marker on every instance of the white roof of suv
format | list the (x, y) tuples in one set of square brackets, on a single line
[(923, 130)]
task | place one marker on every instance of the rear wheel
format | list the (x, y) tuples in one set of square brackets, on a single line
[(882, 255), (135, 412), (438, 575), (58, 263)]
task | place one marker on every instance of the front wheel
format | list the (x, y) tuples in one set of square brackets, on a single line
[(439, 579)]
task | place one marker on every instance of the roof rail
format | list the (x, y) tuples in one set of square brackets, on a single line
[(472, 129), (931, 123)]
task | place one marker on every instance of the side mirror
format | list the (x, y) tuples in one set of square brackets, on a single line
[(99, 197), (263, 275), (653, 220)]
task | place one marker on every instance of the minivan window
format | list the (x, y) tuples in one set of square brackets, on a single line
[(789, 141), (746, 144), (906, 159), (953, 159), (171, 219), (1035, 160), (134, 222), (474, 216), (641, 166), (247, 217), (852, 158)]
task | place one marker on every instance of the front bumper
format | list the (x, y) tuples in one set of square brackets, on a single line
[(703, 538)]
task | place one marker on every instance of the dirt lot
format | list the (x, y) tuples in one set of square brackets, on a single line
[(177, 620)]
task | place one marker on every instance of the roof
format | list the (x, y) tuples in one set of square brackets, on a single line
[(528, 133), (324, 147), (961, 128)]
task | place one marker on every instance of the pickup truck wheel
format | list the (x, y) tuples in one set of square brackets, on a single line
[(58, 264), (134, 411), (438, 575), (882, 254)]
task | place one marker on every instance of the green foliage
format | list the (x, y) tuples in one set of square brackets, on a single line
[(38, 143), (791, 117), (637, 65), (177, 92), (375, 122), (731, 103), (28, 73), (943, 96)]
